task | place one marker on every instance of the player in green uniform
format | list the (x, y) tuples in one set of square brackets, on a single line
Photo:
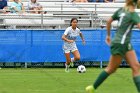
[(120, 45)]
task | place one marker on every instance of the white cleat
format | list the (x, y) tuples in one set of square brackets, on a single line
[(71, 64), (67, 68)]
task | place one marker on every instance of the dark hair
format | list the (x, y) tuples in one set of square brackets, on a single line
[(72, 20), (34, 1), (130, 3), (135, 1)]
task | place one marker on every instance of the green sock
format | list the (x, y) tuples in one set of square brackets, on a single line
[(100, 79), (137, 82)]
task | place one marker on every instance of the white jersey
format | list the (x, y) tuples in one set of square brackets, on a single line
[(71, 35)]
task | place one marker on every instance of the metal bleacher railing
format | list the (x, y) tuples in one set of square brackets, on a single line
[(90, 15)]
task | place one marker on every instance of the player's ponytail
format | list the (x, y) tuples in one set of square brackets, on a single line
[(131, 3), (135, 2)]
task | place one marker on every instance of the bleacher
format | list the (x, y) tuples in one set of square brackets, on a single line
[(59, 14)]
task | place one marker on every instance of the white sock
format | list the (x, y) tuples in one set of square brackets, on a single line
[(66, 65), (72, 59)]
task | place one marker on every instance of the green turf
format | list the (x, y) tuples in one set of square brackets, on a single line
[(57, 81)]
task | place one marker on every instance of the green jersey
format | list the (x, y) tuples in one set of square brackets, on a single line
[(126, 21)]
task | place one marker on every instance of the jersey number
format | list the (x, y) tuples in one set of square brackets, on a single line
[(121, 18)]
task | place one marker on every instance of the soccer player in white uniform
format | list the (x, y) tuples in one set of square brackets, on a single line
[(69, 46)]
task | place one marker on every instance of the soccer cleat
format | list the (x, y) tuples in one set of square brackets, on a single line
[(67, 68), (89, 89), (71, 64)]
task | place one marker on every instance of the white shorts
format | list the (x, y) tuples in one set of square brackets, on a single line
[(69, 48)]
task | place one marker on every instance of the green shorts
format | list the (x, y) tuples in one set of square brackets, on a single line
[(120, 49)]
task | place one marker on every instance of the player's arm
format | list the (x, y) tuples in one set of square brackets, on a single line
[(82, 37), (108, 27), (65, 39), (138, 25), (64, 36), (136, 19)]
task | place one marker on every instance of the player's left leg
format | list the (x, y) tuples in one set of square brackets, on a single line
[(135, 66), (76, 55), (114, 63)]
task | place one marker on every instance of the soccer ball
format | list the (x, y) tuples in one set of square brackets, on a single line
[(81, 69)]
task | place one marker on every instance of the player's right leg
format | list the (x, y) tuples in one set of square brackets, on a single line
[(135, 66), (114, 63)]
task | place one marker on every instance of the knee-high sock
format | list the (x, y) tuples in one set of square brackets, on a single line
[(137, 82), (103, 75)]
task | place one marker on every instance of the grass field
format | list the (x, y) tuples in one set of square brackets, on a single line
[(55, 80)]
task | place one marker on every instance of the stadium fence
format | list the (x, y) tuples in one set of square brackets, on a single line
[(44, 48)]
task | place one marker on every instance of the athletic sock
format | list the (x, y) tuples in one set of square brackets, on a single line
[(72, 59), (103, 75), (137, 82)]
